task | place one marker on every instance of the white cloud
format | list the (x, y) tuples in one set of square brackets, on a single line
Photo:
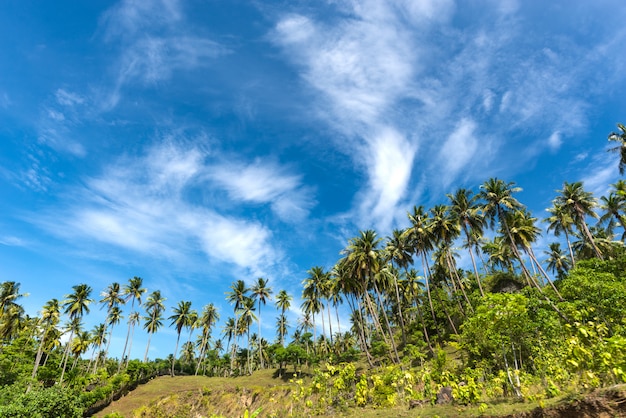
[(140, 204), (458, 151), (390, 165), (12, 241), (265, 183), (66, 98), (599, 179), (155, 43), (555, 141)]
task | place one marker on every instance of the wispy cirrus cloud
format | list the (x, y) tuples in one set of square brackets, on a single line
[(155, 42), (360, 68), (265, 183), (148, 204)]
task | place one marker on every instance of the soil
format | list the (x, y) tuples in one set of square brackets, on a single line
[(605, 403)]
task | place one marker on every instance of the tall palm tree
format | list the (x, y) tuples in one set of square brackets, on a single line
[(180, 319), (364, 260), (75, 306), (262, 293), (498, 200), (620, 138), (524, 231), (445, 229), (421, 239), (557, 261), (235, 297), (561, 221), (614, 206), (133, 291), (50, 316), (9, 293), (283, 302), (246, 317), (466, 212), (579, 204), (98, 338), (208, 319), (154, 307), (112, 298), (398, 251)]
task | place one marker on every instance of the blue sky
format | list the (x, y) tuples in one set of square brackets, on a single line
[(194, 143)]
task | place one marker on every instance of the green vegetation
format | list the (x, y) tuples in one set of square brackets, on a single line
[(422, 332)]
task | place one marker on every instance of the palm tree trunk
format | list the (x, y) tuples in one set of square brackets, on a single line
[(471, 253), (427, 281), (330, 325), (175, 352), (384, 311), (587, 233), (145, 356), (66, 354)]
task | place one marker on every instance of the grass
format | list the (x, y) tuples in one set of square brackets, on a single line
[(164, 386), (232, 396)]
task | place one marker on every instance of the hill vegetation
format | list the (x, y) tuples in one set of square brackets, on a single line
[(422, 330)]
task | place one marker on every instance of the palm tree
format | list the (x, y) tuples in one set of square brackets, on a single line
[(262, 293), (246, 317), (613, 206), (154, 307), (208, 319), (561, 221), (579, 204), (76, 305), (557, 262), (620, 138), (50, 315), (421, 239), (180, 319), (467, 214), (364, 262), (236, 297), (98, 338), (445, 230), (229, 330), (9, 293), (133, 291), (524, 231), (79, 345), (112, 299), (398, 251), (283, 302), (498, 200)]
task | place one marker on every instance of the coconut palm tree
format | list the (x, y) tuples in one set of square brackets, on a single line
[(75, 306), (421, 239), (466, 212), (50, 316), (154, 307), (398, 251), (579, 204), (613, 206), (498, 200), (283, 302), (246, 317), (98, 338), (262, 293), (235, 297), (208, 319), (364, 261), (557, 262), (620, 138), (561, 221), (132, 291), (112, 298), (180, 319)]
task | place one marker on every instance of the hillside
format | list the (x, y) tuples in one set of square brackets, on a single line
[(189, 396)]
